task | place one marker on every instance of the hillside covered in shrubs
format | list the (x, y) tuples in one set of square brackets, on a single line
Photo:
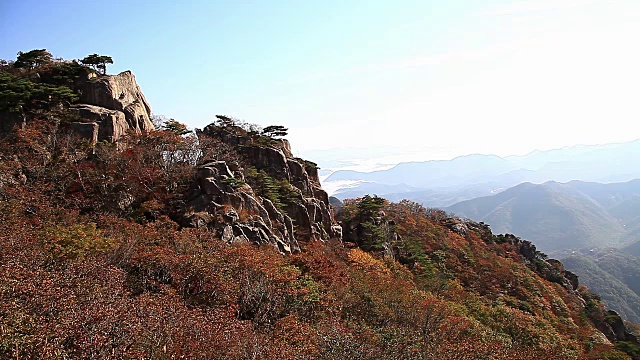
[(220, 244)]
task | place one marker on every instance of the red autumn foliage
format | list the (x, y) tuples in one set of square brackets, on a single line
[(91, 267)]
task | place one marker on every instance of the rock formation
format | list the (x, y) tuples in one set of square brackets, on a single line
[(115, 103), (223, 198), (111, 124), (109, 106), (549, 269)]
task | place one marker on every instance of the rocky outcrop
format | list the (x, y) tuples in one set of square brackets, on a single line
[(613, 327), (270, 160), (550, 269), (372, 231), (118, 92), (115, 103), (85, 130), (112, 124), (220, 200), (224, 199)]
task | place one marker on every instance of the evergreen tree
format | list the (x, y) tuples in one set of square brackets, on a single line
[(33, 59), (275, 131), (98, 62)]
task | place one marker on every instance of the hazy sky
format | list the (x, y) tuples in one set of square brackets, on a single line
[(429, 79)]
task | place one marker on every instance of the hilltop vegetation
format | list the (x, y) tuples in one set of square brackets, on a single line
[(93, 285), (221, 245)]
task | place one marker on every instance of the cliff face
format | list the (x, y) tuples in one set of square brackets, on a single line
[(115, 103), (268, 196), (95, 107)]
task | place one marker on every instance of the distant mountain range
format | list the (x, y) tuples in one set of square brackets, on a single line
[(444, 182), (593, 228), (580, 204), (558, 216)]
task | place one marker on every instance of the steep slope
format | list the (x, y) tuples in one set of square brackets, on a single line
[(555, 216), (613, 274)]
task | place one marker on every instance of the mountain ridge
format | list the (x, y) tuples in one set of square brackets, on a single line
[(602, 163), (221, 244)]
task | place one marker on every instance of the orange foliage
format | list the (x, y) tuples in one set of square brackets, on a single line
[(83, 277)]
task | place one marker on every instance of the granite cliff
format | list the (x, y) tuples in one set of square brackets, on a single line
[(96, 107), (113, 102), (287, 206)]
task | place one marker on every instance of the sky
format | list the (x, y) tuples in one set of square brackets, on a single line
[(367, 81)]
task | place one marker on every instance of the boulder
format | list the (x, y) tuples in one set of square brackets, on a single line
[(271, 160), (617, 325), (572, 279)]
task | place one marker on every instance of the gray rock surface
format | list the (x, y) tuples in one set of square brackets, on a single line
[(86, 131), (112, 123), (217, 193), (118, 92), (238, 212)]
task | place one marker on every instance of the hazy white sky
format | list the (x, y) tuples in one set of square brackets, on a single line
[(562, 73), (407, 79)]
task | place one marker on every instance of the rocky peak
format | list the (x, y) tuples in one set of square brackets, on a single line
[(104, 107), (272, 197), (115, 103)]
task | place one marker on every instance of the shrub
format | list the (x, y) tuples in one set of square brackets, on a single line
[(75, 242)]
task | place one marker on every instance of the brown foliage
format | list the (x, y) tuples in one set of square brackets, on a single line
[(91, 267)]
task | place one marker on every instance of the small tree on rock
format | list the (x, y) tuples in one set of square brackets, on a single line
[(97, 62), (274, 131), (175, 127)]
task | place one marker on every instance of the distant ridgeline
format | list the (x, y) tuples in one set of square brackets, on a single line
[(120, 238)]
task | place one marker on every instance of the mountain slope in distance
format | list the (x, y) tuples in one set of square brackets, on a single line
[(613, 274), (554, 216), (599, 163)]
